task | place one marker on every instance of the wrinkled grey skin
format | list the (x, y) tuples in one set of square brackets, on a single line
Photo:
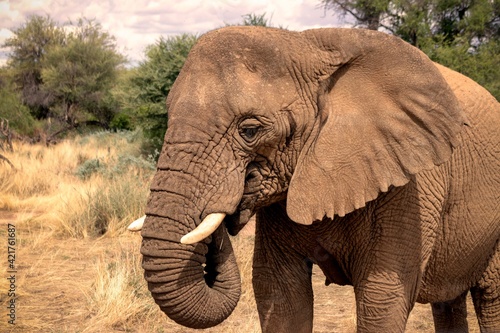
[(355, 152)]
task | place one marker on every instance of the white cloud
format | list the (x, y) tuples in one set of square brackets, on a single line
[(138, 23)]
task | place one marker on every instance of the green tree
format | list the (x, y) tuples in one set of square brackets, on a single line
[(367, 13), (121, 92), (480, 63), (461, 34), (259, 20), (28, 49), (256, 20), (13, 110), (151, 82), (78, 76)]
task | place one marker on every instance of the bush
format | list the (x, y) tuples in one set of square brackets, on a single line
[(13, 110), (105, 206), (88, 168)]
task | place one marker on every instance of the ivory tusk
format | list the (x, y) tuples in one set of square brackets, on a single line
[(204, 229), (137, 224)]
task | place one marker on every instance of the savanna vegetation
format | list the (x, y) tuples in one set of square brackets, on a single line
[(78, 269), (463, 35), (80, 132)]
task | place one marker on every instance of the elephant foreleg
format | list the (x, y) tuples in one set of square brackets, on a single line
[(281, 279), (382, 305), (486, 296), (451, 316)]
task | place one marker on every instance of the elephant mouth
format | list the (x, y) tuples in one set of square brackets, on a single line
[(253, 179), (235, 222), (247, 206), (259, 191)]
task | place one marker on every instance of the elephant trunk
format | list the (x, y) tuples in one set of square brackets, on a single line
[(198, 285)]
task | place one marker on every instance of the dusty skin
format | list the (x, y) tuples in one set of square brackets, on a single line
[(355, 152)]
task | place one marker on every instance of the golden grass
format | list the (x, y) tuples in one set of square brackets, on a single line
[(79, 270), (91, 184)]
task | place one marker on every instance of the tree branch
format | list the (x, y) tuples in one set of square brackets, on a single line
[(51, 138), (3, 158)]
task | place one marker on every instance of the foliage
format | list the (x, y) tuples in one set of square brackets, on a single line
[(461, 34), (79, 74), (256, 20), (13, 110), (482, 64), (65, 75), (368, 13), (122, 93), (259, 20), (29, 46), (151, 82)]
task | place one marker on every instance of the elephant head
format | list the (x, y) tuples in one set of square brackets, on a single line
[(324, 119)]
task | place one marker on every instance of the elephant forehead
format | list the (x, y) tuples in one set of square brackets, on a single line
[(244, 93), (259, 50), (251, 90)]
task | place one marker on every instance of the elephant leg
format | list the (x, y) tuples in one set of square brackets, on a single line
[(381, 305), (486, 296), (451, 316), (281, 278)]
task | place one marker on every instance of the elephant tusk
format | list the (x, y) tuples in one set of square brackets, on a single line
[(204, 229), (137, 224)]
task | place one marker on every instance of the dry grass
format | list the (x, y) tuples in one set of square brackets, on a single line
[(91, 184), (80, 271)]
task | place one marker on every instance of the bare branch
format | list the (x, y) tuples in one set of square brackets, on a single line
[(5, 159), (5, 134)]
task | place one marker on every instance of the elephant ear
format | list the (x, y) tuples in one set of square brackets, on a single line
[(384, 113)]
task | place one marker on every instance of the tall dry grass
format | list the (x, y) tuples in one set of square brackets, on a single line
[(79, 270), (82, 187)]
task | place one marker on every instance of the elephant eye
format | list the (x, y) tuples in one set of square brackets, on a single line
[(249, 133), (249, 129)]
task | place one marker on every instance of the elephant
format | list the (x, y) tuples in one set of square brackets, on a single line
[(355, 152)]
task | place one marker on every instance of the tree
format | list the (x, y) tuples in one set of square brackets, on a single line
[(461, 34), (13, 111), (368, 13), (28, 48), (151, 82), (256, 20), (65, 76), (450, 18), (78, 75), (259, 20)]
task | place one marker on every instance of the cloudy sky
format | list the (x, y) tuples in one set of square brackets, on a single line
[(138, 23)]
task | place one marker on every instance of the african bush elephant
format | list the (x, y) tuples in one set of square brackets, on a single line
[(356, 153)]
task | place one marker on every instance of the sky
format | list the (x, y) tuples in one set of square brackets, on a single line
[(138, 23)]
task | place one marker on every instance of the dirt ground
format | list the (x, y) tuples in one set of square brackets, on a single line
[(54, 275)]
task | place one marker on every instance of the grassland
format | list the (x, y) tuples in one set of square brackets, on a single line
[(79, 270)]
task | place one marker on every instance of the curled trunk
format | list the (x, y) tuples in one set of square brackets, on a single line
[(198, 285)]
